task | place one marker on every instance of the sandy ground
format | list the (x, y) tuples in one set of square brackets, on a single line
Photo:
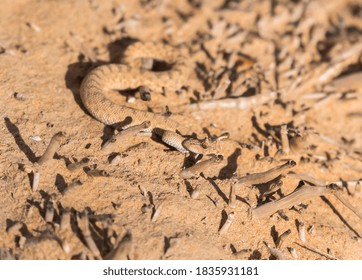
[(292, 48)]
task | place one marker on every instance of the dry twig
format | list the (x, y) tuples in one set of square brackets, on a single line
[(52, 148), (294, 198)]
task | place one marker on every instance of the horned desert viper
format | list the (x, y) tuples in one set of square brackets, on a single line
[(130, 75)]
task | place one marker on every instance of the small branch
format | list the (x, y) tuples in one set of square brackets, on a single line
[(121, 250), (266, 176), (195, 170), (237, 103), (225, 227), (307, 178), (65, 219), (127, 132), (296, 197), (282, 237), (157, 212), (275, 252), (222, 87), (52, 148), (285, 140), (49, 211), (232, 197), (301, 231), (348, 205), (83, 223), (36, 180), (315, 250)]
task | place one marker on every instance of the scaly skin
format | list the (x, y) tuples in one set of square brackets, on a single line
[(112, 77), (120, 77)]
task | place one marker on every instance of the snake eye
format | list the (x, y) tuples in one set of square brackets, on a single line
[(219, 157)]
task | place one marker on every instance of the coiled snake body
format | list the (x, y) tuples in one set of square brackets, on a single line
[(129, 76)]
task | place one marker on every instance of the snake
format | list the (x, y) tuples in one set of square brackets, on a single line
[(104, 79)]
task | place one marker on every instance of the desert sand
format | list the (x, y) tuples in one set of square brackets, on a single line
[(300, 61)]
